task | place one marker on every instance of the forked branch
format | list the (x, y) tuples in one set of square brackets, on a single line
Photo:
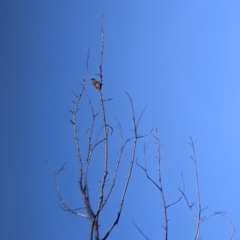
[(197, 205), (64, 206), (158, 184)]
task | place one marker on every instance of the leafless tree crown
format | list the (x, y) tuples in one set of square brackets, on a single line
[(106, 185)]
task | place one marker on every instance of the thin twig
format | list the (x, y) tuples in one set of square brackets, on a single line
[(139, 230), (199, 208)]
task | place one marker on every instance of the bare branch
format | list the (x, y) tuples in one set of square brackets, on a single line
[(157, 185), (129, 171), (198, 216), (109, 99), (117, 164), (104, 124), (139, 119), (74, 116), (64, 206), (139, 230), (199, 208), (180, 198), (89, 140), (223, 214)]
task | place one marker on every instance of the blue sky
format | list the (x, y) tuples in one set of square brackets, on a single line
[(180, 58)]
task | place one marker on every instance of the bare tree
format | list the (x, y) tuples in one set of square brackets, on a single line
[(107, 182), (108, 179)]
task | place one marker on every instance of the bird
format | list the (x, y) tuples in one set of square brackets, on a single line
[(96, 84)]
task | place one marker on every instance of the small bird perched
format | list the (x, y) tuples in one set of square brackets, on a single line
[(96, 84)]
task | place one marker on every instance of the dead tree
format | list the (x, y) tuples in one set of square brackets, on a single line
[(108, 179)]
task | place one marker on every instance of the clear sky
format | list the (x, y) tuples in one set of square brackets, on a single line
[(180, 58)]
